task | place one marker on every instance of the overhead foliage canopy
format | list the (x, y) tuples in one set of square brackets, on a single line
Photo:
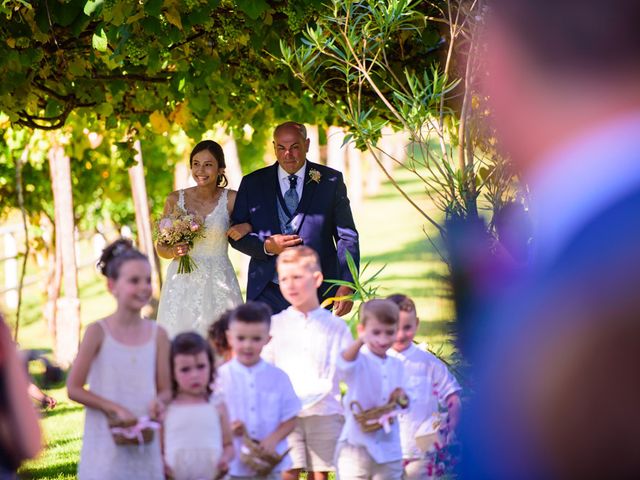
[(191, 63)]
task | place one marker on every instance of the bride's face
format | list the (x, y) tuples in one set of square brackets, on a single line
[(204, 169)]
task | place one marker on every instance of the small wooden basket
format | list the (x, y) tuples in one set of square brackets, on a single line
[(255, 458), (144, 436), (369, 420)]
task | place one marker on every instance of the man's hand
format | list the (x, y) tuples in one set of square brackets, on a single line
[(276, 244), (342, 307)]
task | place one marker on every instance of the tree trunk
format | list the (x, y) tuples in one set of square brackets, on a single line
[(143, 222), (68, 306), (355, 175), (374, 175), (314, 143), (233, 171), (336, 153)]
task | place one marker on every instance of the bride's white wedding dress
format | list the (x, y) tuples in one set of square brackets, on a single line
[(192, 301)]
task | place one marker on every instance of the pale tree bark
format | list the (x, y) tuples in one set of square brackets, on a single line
[(233, 170), (374, 175), (388, 147), (181, 175), (355, 182), (67, 317), (143, 222), (336, 153), (314, 143), (53, 280)]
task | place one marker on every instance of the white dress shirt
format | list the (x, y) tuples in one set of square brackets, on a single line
[(428, 384), (307, 348), (285, 184), (370, 380), (261, 396)]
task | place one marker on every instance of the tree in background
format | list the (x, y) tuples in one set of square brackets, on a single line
[(103, 74), (413, 65)]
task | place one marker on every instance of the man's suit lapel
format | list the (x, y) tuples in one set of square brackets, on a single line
[(271, 189), (308, 191)]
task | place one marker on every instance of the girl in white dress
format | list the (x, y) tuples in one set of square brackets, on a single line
[(125, 359), (197, 437), (192, 301)]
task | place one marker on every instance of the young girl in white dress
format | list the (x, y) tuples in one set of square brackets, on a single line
[(196, 432), (125, 359)]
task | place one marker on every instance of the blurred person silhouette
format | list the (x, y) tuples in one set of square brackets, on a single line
[(556, 360), (19, 426)]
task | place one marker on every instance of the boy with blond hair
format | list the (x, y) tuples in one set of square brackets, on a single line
[(306, 344), (373, 379), (430, 385)]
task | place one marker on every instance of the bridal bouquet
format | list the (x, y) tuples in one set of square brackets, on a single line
[(181, 227)]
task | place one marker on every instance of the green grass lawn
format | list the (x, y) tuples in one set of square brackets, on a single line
[(391, 234)]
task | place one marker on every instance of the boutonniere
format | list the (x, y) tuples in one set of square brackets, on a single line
[(314, 176)]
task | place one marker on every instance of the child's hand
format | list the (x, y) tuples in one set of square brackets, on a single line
[(400, 397), (237, 428), (268, 445), (223, 468), (236, 232), (157, 409), (167, 471), (118, 415), (48, 402)]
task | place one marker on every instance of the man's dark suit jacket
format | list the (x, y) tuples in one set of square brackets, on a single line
[(558, 388), (324, 218)]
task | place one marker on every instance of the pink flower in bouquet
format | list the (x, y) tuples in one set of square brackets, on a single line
[(177, 228), (165, 224)]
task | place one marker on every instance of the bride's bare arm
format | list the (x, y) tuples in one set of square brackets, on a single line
[(236, 232)]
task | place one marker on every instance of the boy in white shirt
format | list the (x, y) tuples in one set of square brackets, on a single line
[(306, 344), (373, 379), (259, 396), (429, 384)]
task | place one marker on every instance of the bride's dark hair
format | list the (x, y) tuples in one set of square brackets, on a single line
[(214, 149), (115, 255)]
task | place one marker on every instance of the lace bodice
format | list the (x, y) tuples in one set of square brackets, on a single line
[(216, 224), (194, 300)]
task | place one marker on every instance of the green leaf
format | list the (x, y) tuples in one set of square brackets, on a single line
[(53, 108), (253, 8), (99, 42), (91, 6), (153, 7)]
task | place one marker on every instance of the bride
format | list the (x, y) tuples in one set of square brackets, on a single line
[(192, 301)]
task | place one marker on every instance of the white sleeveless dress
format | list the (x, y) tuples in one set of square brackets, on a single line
[(193, 441), (193, 301), (126, 375)]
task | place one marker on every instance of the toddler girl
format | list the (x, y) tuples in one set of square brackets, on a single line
[(197, 437), (125, 359)]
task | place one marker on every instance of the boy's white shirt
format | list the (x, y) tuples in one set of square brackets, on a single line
[(428, 384), (307, 347), (261, 396), (370, 380)]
